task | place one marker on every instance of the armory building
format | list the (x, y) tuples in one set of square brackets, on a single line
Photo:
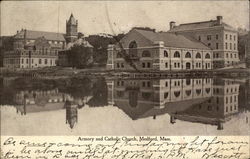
[(200, 45)]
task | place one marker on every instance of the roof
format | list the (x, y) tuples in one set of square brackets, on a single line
[(31, 34), (172, 39), (200, 25)]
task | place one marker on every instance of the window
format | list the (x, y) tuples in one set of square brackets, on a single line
[(234, 37), (217, 45), (118, 65), (209, 37), (234, 46), (143, 65), (178, 65), (165, 95), (175, 64), (230, 46), (198, 91), (177, 94), (165, 53), (45, 61), (226, 45), (133, 49), (188, 82), (177, 54), (40, 61), (235, 56), (227, 55), (146, 54), (207, 56), (226, 37), (230, 37), (22, 61), (122, 65), (27, 61), (188, 92), (198, 55), (166, 65), (217, 36), (209, 44), (32, 61), (188, 55), (149, 65), (231, 55), (148, 83), (166, 84)]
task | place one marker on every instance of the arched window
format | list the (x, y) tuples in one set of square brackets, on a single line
[(198, 91), (165, 95), (165, 53), (208, 90), (146, 53), (198, 55), (188, 92), (133, 49), (188, 55), (177, 94), (188, 82), (177, 54), (207, 56)]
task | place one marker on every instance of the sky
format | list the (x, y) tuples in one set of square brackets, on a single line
[(114, 17)]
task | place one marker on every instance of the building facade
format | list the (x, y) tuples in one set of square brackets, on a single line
[(219, 36), (148, 50)]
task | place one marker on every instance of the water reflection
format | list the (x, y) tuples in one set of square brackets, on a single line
[(205, 100), (209, 101)]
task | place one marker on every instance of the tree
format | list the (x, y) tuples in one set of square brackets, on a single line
[(80, 56)]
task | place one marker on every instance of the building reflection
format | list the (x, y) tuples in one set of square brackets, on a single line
[(71, 113), (203, 100)]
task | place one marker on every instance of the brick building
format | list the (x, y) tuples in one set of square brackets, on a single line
[(219, 36), (150, 50)]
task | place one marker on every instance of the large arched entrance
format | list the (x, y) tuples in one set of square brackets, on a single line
[(188, 65)]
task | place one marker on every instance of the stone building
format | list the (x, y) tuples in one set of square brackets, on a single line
[(219, 36), (32, 49), (149, 50)]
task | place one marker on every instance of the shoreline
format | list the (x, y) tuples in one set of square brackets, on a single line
[(60, 72)]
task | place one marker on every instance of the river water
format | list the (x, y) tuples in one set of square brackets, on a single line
[(99, 106)]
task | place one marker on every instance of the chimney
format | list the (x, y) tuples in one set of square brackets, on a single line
[(171, 25), (219, 20)]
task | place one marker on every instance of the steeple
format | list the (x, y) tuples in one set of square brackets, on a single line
[(71, 29)]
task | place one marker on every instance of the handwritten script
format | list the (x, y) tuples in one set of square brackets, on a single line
[(124, 147)]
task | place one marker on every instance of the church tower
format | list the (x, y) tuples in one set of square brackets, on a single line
[(71, 29)]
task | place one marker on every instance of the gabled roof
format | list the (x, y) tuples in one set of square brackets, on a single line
[(172, 39), (200, 25), (30, 34)]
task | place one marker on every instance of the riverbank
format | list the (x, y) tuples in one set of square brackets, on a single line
[(61, 72)]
